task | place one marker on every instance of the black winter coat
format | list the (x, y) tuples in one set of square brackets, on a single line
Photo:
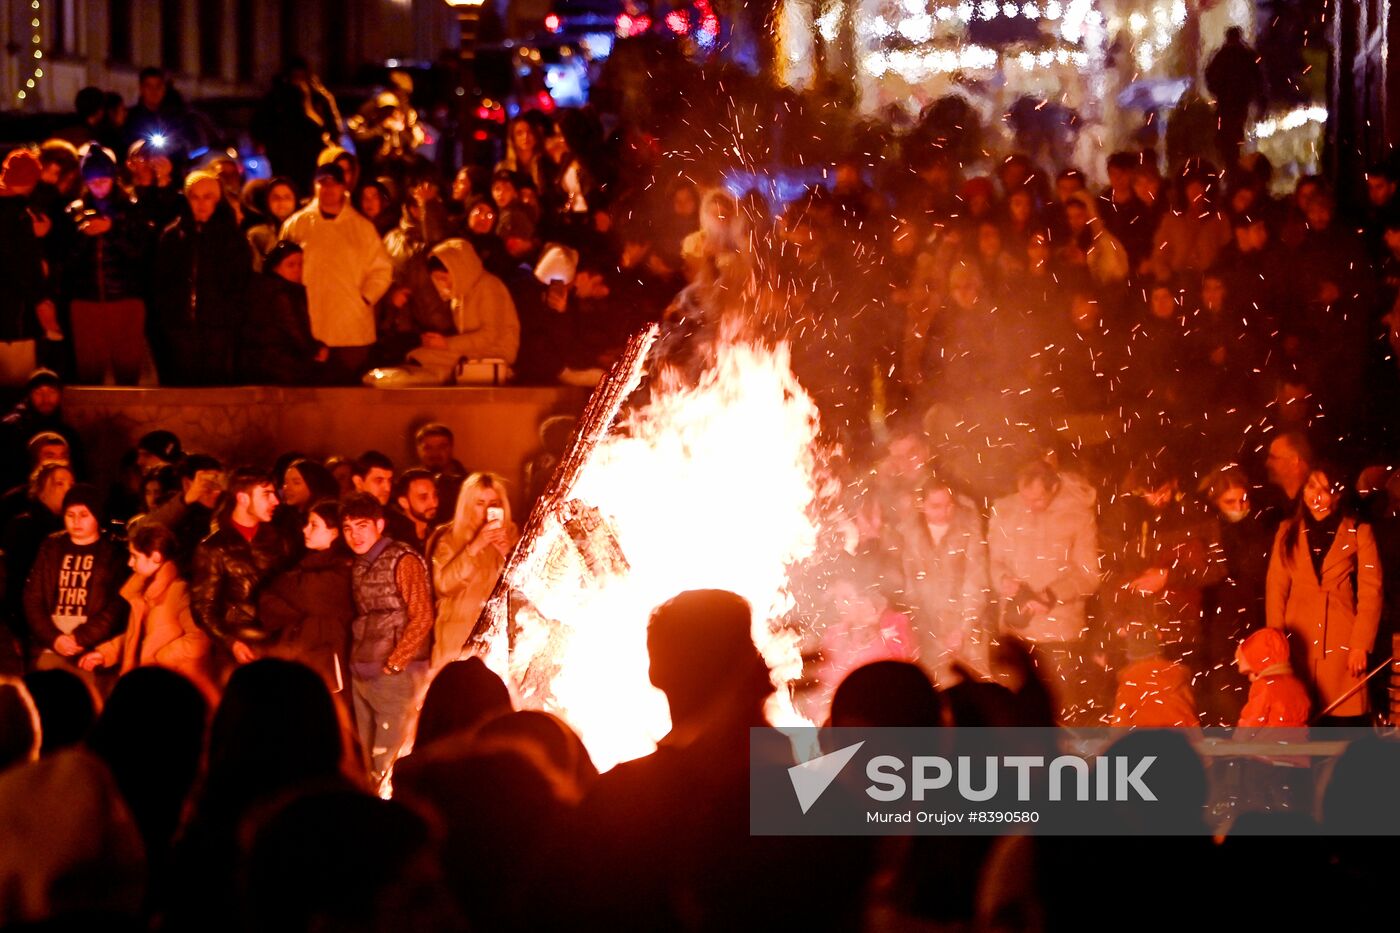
[(201, 274), (21, 270), (278, 347), (229, 575), (114, 265), (307, 612)]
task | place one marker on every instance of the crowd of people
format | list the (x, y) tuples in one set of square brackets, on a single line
[(1118, 456), (142, 255)]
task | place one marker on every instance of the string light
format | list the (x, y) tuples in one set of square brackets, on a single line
[(36, 39)]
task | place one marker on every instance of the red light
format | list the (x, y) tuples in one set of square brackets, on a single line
[(483, 113), (544, 101), (678, 21), (629, 25), (553, 23), (481, 136)]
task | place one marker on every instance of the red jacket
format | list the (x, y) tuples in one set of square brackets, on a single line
[(1276, 698), (1155, 694)]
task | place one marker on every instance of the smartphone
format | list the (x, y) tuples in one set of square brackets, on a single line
[(495, 513)]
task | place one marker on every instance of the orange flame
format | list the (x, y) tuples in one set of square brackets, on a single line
[(712, 485)]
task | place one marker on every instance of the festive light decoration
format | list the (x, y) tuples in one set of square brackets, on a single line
[(36, 39)]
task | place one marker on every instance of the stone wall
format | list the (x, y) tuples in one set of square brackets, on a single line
[(496, 428)]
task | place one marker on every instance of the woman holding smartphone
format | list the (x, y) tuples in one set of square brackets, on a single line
[(467, 556)]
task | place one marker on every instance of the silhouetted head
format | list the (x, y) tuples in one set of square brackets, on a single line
[(67, 707), (276, 728), (1360, 797), (1176, 777), (19, 724), (702, 652), (151, 734), (341, 860), (464, 695), (560, 745), (887, 693)]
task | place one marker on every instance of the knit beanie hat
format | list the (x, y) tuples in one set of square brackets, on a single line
[(84, 494), (97, 162), (278, 254)]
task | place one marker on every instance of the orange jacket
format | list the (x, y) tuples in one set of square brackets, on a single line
[(1155, 694), (1276, 698)]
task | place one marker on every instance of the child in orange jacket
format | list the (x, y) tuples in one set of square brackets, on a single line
[(1153, 692), (1276, 697)]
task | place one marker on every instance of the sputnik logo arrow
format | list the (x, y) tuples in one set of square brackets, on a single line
[(811, 778)]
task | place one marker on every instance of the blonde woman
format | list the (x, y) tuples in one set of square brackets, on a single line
[(467, 556)]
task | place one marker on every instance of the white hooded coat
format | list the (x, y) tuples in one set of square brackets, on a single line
[(347, 271), (488, 327)]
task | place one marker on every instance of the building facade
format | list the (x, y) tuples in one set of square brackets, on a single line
[(213, 48)]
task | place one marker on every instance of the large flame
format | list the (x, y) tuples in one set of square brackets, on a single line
[(710, 485)]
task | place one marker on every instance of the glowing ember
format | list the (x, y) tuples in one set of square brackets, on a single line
[(709, 485)]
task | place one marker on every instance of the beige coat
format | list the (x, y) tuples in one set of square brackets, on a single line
[(1326, 619), (161, 629), (1055, 551), (946, 586), (462, 582)]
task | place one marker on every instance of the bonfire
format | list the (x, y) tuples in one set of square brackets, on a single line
[(709, 481)]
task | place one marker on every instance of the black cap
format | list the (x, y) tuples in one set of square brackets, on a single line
[(43, 377), (329, 170), (162, 444)]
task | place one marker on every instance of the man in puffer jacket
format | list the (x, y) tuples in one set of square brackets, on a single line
[(232, 565)]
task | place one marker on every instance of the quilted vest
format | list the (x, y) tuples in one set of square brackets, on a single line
[(381, 611)]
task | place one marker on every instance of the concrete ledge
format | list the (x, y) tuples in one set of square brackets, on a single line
[(496, 427)]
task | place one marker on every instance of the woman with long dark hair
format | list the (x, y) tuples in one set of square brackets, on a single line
[(1324, 589), (308, 609)]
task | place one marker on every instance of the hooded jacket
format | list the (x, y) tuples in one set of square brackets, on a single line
[(1276, 697), (347, 272), (1155, 693), (482, 311), (308, 610)]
